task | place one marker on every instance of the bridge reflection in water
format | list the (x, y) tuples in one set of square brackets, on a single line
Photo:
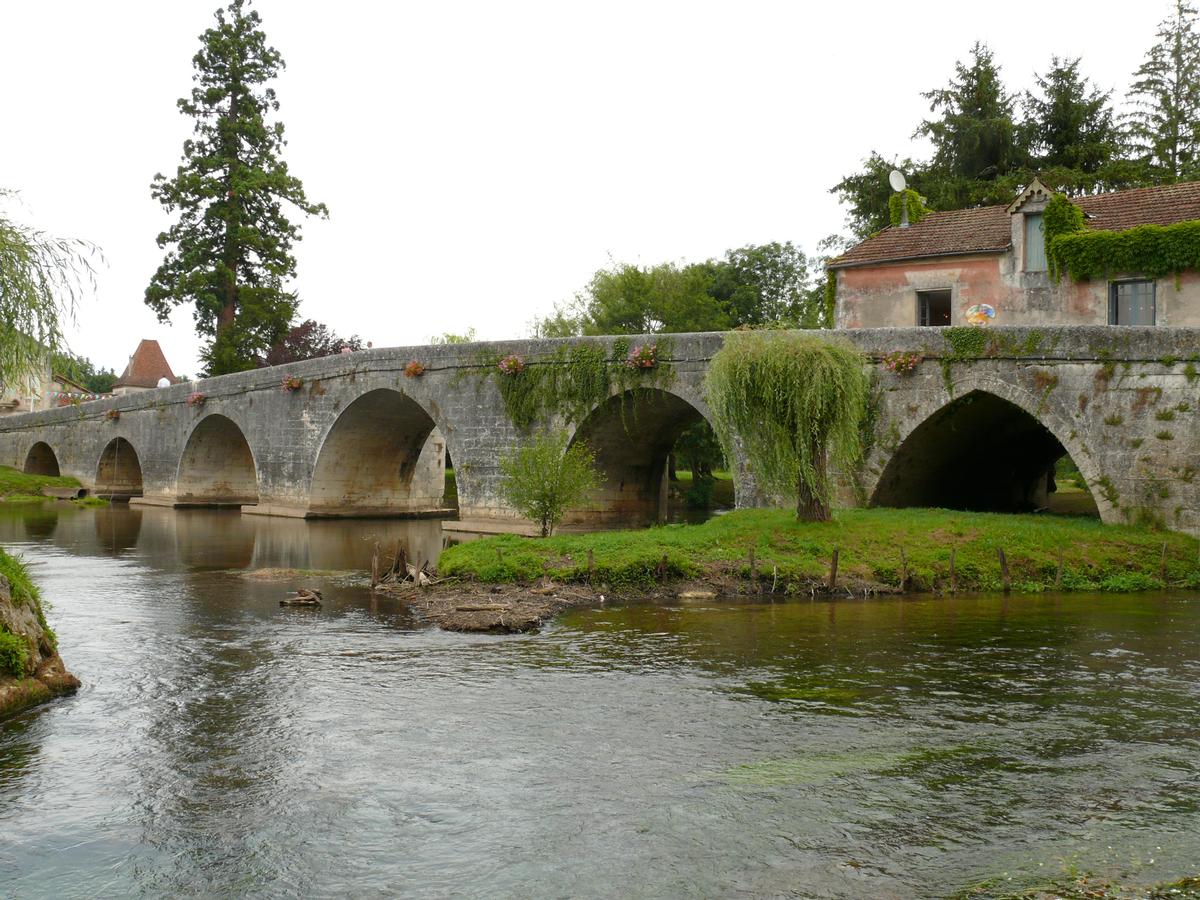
[(220, 539)]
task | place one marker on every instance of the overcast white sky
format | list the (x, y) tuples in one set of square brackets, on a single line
[(481, 160)]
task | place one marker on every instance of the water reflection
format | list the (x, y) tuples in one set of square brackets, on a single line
[(222, 539), (224, 746)]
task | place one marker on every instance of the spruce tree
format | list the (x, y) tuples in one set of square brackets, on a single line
[(1069, 122), (230, 251), (1164, 127), (976, 151)]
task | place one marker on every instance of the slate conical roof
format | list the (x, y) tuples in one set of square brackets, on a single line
[(146, 367)]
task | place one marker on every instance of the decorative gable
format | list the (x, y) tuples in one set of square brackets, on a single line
[(1034, 191)]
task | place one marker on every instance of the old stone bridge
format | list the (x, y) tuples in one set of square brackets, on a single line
[(977, 425)]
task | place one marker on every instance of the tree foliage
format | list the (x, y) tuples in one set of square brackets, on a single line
[(1069, 124), (547, 476), (1164, 126), (797, 402), (974, 136), (987, 143), (308, 340), (229, 253), (83, 371), (41, 280), (772, 284)]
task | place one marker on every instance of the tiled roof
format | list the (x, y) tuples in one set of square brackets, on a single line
[(1162, 205), (146, 367), (982, 230), (987, 229)]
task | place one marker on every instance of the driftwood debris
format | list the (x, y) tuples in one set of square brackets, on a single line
[(303, 597), (400, 572)]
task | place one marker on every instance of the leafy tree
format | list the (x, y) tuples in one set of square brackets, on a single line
[(771, 284), (41, 280), (308, 340), (1069, 123), (449, 337), (230, 251), (546, 477), (1165, 124), (976, 146), (83, 371), (797, 402)]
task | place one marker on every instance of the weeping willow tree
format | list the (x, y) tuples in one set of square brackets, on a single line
[(796, 402), (41, 278)]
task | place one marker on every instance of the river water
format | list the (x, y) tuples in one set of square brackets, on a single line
[(224, 746)]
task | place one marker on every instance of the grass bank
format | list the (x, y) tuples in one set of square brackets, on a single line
[(31, 670), (17, 487), (795, 556)]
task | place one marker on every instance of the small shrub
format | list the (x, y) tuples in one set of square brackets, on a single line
[(1165, 415), (14, 654), (414, 369), (1114, 419), (546, 477), (1165, 436)]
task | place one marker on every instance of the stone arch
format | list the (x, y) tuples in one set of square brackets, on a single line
[(119, 472), (990, 448), (217, 467), (41, 460), (383, 455), (631, 435)]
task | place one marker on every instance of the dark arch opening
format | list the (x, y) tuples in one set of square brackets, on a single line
[(41, 460), (217, 467), (632, 435), (119, 475), (383, 456), (979, 453)]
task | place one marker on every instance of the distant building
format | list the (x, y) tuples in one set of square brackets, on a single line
[(41, 391), (989, 264), (147, 367)]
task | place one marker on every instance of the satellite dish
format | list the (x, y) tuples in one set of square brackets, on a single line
[(896, 180), (164, 382)]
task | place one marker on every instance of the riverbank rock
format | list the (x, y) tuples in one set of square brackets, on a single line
[(44, 676)]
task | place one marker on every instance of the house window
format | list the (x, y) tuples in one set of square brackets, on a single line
[(933, 308), (1035, 243), (1131, 303)]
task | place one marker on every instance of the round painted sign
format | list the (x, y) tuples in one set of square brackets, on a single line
[(980, 314)]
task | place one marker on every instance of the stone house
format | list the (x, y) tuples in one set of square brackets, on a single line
[(41, 391), (146, 370), (989, 264)]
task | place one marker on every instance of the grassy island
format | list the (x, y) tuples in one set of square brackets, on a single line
[(879, 550)]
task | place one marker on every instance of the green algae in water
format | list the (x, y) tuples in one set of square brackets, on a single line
[(812, 768)]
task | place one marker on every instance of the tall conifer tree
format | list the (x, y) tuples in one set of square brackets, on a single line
[(1069, 121), (230, 252), (975, 140), (1165, 124)]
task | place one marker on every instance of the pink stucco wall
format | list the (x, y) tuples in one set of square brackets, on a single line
[(885, 294)]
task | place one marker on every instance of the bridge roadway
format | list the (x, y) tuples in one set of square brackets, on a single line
[(968, 428)]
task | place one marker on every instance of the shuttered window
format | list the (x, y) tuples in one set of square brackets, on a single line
[(1035, 243)]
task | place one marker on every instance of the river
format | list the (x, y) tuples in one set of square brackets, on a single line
[(224, 746)]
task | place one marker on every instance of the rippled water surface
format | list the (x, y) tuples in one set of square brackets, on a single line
[(223, 746)]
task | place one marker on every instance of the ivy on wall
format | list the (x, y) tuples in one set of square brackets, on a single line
[(917, 210), (1149, 250), (576, 378)]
